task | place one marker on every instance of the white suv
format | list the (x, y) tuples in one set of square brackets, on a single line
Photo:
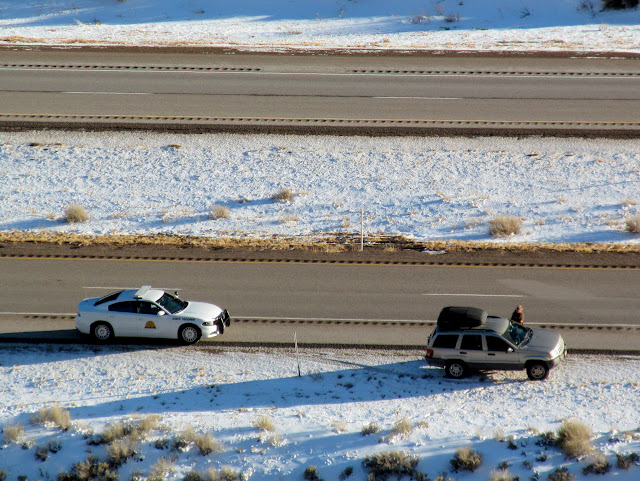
[(467, 338)]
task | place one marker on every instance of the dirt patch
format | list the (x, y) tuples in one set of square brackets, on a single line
[(334, 249)]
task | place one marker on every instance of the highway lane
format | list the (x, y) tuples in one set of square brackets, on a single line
[(435, 89), (328, 291)]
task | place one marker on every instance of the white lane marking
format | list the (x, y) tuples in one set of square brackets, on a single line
[(109, 93), (120, 287), (38, 313), (420, 98), (476, 295)]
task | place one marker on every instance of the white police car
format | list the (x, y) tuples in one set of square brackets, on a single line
[(148, 312)]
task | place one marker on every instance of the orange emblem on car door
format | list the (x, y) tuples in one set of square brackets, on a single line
[(150, 325)]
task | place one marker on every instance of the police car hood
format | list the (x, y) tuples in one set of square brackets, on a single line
[(200, 310)]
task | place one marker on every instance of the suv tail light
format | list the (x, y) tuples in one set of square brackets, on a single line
[(429, 352)]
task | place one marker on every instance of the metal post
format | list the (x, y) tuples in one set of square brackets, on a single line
[(361, 229), (295, 341)]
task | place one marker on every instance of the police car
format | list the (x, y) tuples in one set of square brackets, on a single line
[(148, 312)]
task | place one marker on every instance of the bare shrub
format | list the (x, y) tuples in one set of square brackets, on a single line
[(390, 463), (561, 474), (466, 459), (283, 195), (598, 465), (369, 429), (13, 433), (219, 212), (311, 473), (619, 4), (574, 438), (633, 224), (41, 453), (56, 415), (625, 461), (90, 469), (264, 423), (505, 226), (75, 213)]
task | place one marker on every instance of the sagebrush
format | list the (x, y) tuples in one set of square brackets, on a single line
[(383, 465), (56, 415), (466, 459), (75, 213), (504, 226), (574, 438)]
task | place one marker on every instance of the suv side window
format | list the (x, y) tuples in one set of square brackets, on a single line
[(471, 342), (446, 340), (494, 343)]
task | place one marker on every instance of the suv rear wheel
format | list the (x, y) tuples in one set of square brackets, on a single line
[(456, 369), (537, 371)]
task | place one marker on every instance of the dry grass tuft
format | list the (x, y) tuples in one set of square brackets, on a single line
[(219, 212), (633, 224), (339, 425), (56, 415), (574, 438), (161, 469), (207, 444), (401, 429), (120, 451), (283, 195), (75, 213), (504, 226), (13, 433), (369, 429), (501, 475), (264, 423)]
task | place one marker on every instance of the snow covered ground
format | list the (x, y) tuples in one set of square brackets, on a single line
[(507, 25), (318, 418), (566, 190)]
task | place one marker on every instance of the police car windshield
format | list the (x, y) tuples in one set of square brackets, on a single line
[(171, 303)]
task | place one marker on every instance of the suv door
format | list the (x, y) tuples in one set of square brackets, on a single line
[(501, 354), (472, 351)]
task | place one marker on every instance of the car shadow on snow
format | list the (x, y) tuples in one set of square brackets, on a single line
[(72, 345), (394, 381)]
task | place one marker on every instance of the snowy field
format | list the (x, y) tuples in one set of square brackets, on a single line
[(502, 25), (569, 190), (317, 418)]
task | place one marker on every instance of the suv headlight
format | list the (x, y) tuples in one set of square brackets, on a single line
[(207, 323)]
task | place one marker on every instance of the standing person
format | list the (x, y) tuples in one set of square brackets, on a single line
[(518, 315)]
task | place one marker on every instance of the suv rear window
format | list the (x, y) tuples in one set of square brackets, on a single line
[(446, 340), (472, 342)]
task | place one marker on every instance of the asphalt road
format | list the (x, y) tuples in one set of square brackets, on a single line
[(307, 296), (500, 92)]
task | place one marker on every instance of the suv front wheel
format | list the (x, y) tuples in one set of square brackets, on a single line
[(456, 369), (537, 371)]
